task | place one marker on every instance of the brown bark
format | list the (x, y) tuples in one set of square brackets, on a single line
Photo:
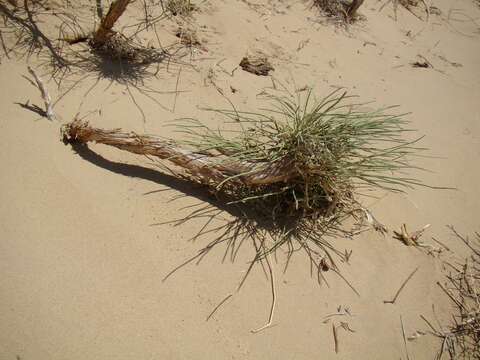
[(209, 168), (352, 10), (105, 29)]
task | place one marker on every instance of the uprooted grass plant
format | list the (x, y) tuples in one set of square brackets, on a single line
[(299, 166)]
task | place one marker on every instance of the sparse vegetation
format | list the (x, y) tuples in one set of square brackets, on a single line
[(462, 286)]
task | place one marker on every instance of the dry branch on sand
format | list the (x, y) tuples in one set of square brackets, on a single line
[(44, 93)]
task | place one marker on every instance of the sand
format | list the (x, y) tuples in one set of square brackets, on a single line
[(82, 259)]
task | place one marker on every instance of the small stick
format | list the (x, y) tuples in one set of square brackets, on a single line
[(401, 288), (45, 95), (440, 243), (335, 338)]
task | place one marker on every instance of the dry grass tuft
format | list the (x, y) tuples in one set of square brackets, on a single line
[(462, 286)]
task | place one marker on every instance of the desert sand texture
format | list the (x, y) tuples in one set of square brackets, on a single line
[(87, 234)]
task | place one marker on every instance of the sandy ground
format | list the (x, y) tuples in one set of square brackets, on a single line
[(82, 261)]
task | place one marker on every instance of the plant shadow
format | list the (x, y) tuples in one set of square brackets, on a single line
[(234, 225)]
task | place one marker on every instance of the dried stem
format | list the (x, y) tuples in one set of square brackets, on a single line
[(45, 95)]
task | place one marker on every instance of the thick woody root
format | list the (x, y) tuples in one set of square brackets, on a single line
[(208, 168)]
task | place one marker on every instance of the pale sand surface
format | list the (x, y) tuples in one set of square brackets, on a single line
[(81, 264)]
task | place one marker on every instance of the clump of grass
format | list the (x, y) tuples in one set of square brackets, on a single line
[(309, 157), (180, 7)]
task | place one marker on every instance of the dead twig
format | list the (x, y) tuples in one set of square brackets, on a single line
[(401, 288), (404, 338), (335, 338), (44, 93)]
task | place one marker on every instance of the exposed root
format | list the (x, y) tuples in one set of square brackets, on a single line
[(207, 168), (274, 296)]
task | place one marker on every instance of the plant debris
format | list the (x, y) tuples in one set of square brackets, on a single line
[(256, 64), (401, 288), (462, 286), (340, 9), (297, 167), (410, 239), (180, 7), (188, 37)]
